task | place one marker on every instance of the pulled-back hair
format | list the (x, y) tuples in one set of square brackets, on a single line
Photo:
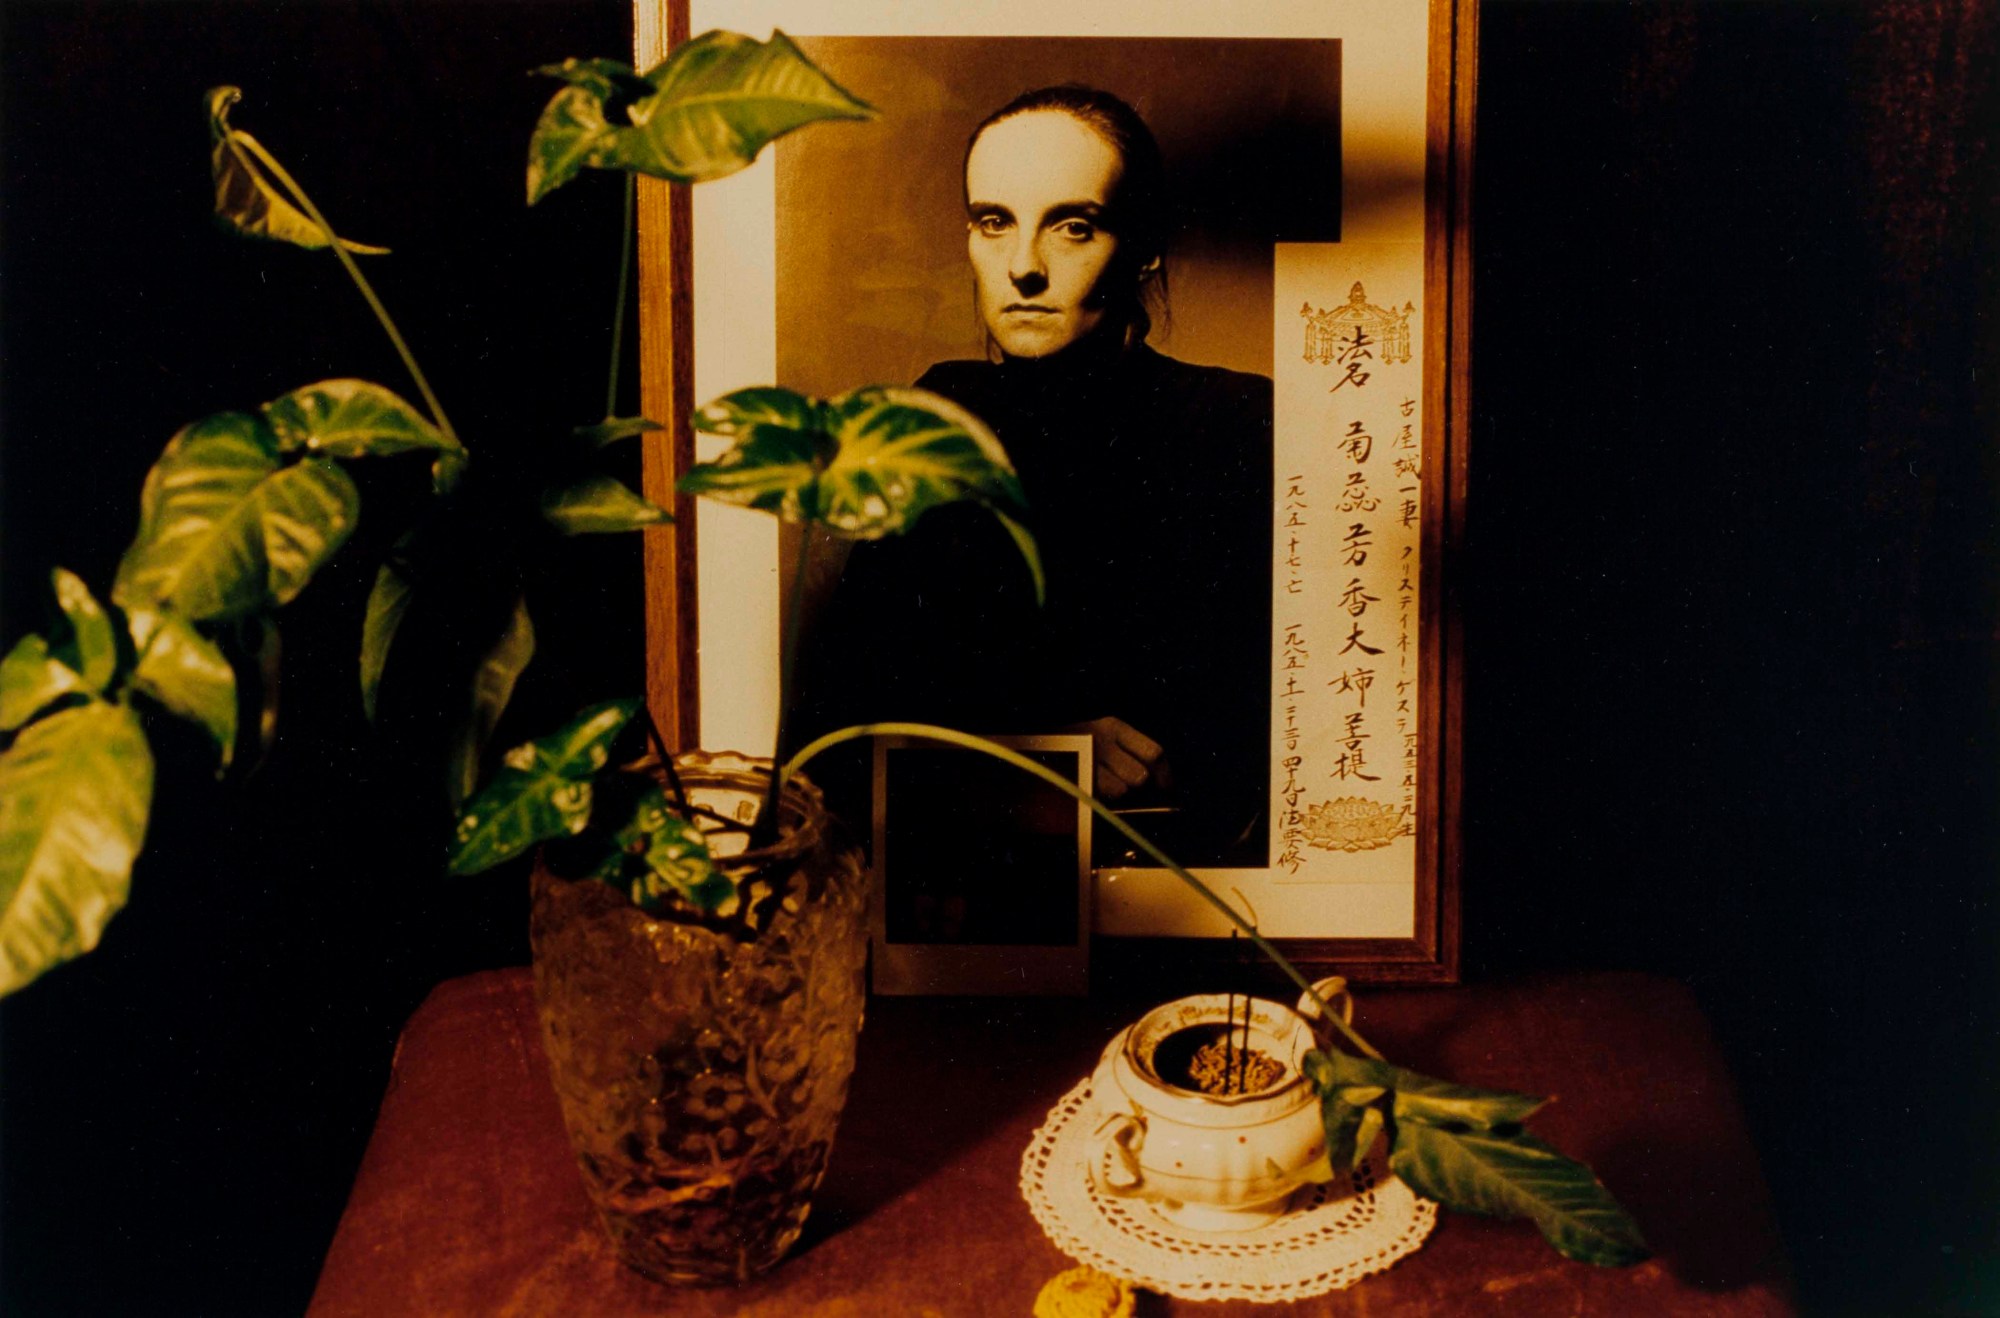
[(1140, 210)]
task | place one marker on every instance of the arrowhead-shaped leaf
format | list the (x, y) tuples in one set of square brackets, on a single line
[(864, 465), (599, 504), (245, 197), (75, 790), (781, 445), (661, 857), (187, 673), (31, 679), (542, 791), (721, 98), (900, 452), (225, 530), (352, 419), (1516, 1175), (91, 645), (703, 112), (492, 688)]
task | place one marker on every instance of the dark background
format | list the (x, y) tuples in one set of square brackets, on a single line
[(1730, 587)]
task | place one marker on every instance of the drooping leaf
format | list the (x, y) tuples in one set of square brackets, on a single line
[(75, 790), (90, 646), (612, 429), (542, 790), (571, 136), (31, 679), (1031, 554), (351, 419), (1441, 1103), (186, 673), (1372, 1122), (225, 530), (599, 504), (492, 688), (661, 857), (1342, 1123), (707, 110), (1516, 1175), (1418, 1097), (257, 636), (246, 199), (388, 601)]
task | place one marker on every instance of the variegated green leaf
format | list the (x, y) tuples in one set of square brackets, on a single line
[(572, 135), (91, 646), (186, 673), (900, 452), (492, 688), (864, 465), (1516, 1175), (780, 445), (721, 98), (704, 112), (225, 530), (542, 790), (75, 790), (31, 679), (245, 197), (661, 858), (351, 419), (599, 504)]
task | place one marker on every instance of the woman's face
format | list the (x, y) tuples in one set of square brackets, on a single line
[(1038, 186)]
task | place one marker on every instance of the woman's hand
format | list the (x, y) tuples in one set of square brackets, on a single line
[(1126, 759)]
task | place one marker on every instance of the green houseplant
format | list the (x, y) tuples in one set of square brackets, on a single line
[(244, 507)]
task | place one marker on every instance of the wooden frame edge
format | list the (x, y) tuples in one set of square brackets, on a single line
[(666, 388)]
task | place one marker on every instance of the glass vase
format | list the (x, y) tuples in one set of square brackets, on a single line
[(702, 1067)]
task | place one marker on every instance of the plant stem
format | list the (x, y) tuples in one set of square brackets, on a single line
[(666, 759), (953, 738), (243, 141), (624, 284), (788, 662)]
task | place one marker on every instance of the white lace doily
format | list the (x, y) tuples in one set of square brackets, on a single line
[(1334, 1235)]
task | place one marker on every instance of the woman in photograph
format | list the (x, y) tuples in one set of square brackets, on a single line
[(1149, 486)]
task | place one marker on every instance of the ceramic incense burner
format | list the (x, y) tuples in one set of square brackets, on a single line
[(1206, 1161)]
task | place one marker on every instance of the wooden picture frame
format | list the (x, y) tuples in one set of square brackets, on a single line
[(1357, 899)]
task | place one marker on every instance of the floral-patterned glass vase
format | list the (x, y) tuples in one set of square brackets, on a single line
[(701, 1070)]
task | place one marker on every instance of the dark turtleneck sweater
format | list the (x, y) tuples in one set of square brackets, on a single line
[(1149, 488)]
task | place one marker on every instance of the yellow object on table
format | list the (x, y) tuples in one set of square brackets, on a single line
[(1085, 1293)]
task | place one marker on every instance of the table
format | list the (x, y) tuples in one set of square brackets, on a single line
[(468, 1201)]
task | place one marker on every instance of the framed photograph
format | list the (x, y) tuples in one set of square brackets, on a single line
[(1204, 270), (982, 873)]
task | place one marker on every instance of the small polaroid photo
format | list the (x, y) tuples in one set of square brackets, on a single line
[(982, 872)]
